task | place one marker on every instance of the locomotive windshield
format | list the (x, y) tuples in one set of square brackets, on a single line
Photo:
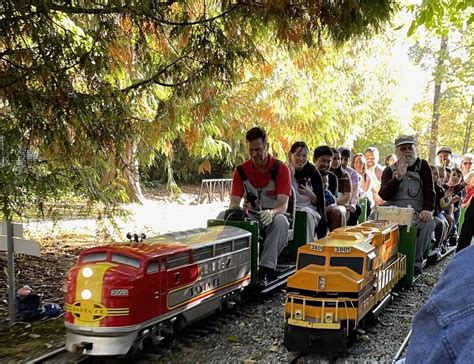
[(94, 257), (307, 259), (353, 263), (124, 259)]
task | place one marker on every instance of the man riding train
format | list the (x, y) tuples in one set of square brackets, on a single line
[(265, 184), (409, 183)]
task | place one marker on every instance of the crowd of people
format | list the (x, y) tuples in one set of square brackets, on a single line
[(330, 191)]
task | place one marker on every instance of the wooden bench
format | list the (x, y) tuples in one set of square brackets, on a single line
[(221, 186)]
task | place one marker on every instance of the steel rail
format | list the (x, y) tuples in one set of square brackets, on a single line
[(402, 347), (49, 355)]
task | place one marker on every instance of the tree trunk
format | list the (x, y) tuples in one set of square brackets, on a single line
[(439, 74), (467, 135), (132, 176), (129, 169)]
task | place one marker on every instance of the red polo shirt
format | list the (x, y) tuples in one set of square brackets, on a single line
[(260, 180)]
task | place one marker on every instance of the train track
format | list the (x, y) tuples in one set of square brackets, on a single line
[(61, 355), (402, 347), (192, 333), (406, 339), (178, 340)]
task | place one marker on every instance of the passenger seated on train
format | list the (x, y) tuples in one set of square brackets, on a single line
[(309, 191), (467, 163), (454, 189), (409, 182), (467, 229), (390, 159), (445, 175), (442, 330), (442, 224), (444, 155), (346, 182), (374, 169), (366, 189), (322, 160), (265, 184), (328, 196)]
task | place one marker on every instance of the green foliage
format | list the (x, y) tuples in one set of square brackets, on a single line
[(83, 83), (456, 76), (441, 15)]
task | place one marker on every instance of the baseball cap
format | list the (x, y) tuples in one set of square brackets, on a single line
[(404, 139), (444, 149)]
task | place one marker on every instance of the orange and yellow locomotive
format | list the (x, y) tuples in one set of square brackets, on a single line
[(339, 280)]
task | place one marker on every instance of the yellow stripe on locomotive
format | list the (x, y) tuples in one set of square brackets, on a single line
[(340, 278)]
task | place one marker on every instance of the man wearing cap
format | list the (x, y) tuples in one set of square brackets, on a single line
[(409, 182), (444, 156)]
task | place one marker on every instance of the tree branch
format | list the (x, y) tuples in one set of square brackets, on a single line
[(126, 9)]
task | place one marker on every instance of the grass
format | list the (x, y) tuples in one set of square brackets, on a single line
[(26, 340)]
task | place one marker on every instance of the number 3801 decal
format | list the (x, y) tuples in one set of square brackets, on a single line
[(342, 249)]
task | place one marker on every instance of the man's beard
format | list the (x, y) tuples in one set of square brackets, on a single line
[(411, 159)]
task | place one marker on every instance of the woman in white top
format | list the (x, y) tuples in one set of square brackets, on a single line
[(366, 186)]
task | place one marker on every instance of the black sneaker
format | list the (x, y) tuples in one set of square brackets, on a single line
[(266, 274)]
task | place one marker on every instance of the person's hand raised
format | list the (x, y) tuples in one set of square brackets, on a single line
[(402, 166)]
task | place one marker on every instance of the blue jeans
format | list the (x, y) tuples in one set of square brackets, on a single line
[(443, 329)]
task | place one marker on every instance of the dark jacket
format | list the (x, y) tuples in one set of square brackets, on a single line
[(390, 184), (309, 171)]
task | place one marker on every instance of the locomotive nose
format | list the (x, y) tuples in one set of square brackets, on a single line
[(91, 288)]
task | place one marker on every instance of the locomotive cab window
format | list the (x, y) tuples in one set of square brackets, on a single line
[(94, 257), (124, 259), (355, 264), (177, 260), (153, 267), (307, 259)]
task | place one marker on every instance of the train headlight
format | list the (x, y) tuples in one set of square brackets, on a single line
[(298, 314), (86, 294), (87, 272), (328, 317), (119, 292), (322, 282)]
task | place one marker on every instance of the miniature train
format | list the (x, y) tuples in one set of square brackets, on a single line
[(121, 295), (339, 280)]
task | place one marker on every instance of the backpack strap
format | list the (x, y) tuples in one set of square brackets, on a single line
[(241, 173), (274, 170)]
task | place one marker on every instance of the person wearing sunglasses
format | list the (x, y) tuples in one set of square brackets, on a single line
[(466, 163), (409, 182)]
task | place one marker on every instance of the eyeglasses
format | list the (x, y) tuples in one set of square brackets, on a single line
[(467, 163), (404, 148)]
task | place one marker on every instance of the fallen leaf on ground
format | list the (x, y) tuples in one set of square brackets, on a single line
[(233, 339)]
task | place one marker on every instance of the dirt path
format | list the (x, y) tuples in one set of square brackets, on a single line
[(152, 218)]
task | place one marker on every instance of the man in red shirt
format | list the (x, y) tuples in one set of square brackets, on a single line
[(265, 184)]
